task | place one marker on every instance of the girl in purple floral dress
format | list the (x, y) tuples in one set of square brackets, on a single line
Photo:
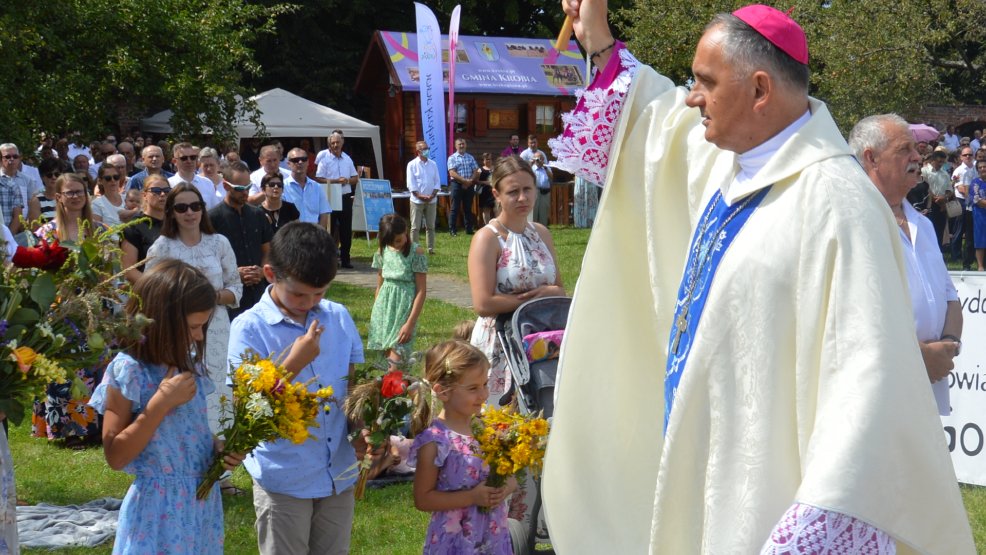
[(449, 475)]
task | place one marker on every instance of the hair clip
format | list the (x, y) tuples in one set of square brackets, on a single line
[(448, 367)]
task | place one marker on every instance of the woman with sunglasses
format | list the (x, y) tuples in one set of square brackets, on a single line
[(58, 415), (138, 238), (278, 211), (106, 207), (50, 170), (188, 235)]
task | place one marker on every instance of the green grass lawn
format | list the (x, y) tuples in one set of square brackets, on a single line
[(452, 253), (386, 521)]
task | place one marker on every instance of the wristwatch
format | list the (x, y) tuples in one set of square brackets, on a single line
[(958, 342)]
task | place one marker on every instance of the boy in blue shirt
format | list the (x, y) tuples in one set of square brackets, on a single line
[(303, 495)]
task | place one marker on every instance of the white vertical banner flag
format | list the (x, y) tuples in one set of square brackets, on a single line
[(432, 87), (965, 428), (453, 41)]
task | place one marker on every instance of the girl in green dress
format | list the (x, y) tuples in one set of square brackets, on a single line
[(400, 296)]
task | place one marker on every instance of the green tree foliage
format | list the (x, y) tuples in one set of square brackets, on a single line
[(83, 64), (866, 57)]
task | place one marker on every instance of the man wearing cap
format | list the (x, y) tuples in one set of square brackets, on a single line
[(761, 362)]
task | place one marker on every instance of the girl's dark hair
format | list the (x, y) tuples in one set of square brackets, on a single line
[(49, 165), (392, 226), (170, 227), (167, 294), (269, 177)]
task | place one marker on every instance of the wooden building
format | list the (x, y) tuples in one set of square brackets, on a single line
[(502, 86)]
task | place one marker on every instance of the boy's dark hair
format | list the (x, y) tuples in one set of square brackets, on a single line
[(392, 225), (167, 294), (305, 253)]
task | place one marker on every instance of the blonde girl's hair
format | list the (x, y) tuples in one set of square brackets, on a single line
[(509, 165), (446, 362), (463, 330), (61, 217)]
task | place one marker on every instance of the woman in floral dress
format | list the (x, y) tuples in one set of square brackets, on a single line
[(511, 261)]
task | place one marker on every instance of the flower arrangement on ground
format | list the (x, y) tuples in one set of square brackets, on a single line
[(266, 406), (57, 313), (383, 399), (510, 443)]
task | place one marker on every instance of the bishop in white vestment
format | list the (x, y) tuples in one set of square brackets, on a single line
[(740, 372)]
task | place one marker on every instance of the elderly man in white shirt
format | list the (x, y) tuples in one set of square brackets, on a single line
[(892, 164), (335, 170), (424, 183)]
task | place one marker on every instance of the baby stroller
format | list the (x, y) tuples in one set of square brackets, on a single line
[(542, 321)]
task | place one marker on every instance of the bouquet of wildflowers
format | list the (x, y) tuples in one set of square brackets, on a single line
[(266, 406), (57, 314), (510, 443), (385, 397)]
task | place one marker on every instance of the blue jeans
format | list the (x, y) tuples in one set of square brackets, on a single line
[(461, 197)]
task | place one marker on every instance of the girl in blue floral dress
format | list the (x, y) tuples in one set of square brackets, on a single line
[(449, 475), (153, 398)]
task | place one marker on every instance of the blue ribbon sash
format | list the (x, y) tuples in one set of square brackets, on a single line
[(719, 226)]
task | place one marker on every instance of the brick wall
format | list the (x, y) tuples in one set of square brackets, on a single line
[(966, 119)]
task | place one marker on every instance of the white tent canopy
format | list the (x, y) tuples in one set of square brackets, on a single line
[(288, 115)]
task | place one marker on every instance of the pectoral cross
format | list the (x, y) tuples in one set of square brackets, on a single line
[(681, 325)]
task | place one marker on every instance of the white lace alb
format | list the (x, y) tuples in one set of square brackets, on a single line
[(809, 530), (583, 149)]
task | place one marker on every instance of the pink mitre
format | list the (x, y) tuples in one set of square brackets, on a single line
[(777, 27)]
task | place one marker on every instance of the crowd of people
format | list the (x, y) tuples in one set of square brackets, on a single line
[(790, 414), (952, 194), (258, 241)]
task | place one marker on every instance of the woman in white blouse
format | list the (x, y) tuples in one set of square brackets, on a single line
[(106, 207), (188, 235)]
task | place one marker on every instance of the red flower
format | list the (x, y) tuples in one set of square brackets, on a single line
[(393, 384), (45, 256)]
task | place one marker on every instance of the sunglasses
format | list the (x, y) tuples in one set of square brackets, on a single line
[(109, 178), (298, 160), (17, 157), (53, 175), (159, 190), (188, 157), (274, 185), (183, 207), (73, 194), (237, 188)]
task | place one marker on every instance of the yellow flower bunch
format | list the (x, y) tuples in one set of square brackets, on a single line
[(266, 406), (509, 442)]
